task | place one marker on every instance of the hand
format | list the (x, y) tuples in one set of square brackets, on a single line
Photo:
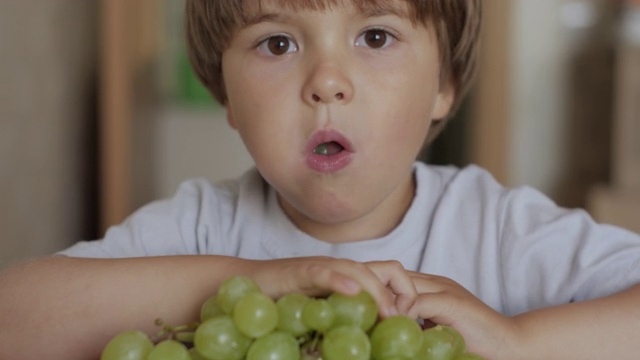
[(387, 281), (444, 301)]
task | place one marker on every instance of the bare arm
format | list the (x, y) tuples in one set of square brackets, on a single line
[(68, 308), (63, 307), (605, 328)]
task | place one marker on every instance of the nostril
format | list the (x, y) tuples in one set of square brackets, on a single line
[(338, 96)]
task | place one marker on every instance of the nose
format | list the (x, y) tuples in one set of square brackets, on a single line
[(327, 84)]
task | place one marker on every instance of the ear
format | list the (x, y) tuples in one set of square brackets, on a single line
[(444, 101), (230, 119)]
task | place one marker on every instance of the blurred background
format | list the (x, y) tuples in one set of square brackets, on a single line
[(100, 113)]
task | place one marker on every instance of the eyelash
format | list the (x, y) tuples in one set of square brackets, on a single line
[(392, 36), (263, 44)]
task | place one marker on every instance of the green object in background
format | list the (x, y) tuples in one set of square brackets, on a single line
[(191, 91)]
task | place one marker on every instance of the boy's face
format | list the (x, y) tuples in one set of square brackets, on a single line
[(334, 106)]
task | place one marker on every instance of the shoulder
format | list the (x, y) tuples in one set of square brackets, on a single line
[(192, 221), (204, 201), (473, 194), (470, 182), (199, 191), (449, 173)]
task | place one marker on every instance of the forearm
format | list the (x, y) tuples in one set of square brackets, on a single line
[(68, 308), (597, 329)]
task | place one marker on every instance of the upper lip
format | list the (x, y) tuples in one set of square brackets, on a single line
[(326, 136)]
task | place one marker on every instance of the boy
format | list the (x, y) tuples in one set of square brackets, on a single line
[(334, 100)]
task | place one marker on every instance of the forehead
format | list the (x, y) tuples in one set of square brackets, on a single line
[(406, 8), (324, 4)]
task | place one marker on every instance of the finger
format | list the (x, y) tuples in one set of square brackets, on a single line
[(440, 299), (369, 281), (321, 275), (426, 283), (324, 276), (435, 307), (372, 283), (312, 276), (394, 276), (346, 277)]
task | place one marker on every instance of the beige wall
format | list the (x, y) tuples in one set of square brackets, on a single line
[(561, 81), (46, 69)]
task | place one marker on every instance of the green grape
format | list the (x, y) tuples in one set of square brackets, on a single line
[(290, 314), (396, 336), (210, 308), (469, 356), (196, 355), (359, 310), (459, 344), (169, 350), (233, 289), (220, 339), (127, 345), (318, 315), (255, 315), (277, 345), (346, 342), (440, 343)]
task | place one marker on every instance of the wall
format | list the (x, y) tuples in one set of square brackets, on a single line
[(47, 72), (176, 135), (193, 143), (561, 81), (190, 138)]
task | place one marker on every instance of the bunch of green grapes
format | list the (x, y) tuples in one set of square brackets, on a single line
[(242, 323)]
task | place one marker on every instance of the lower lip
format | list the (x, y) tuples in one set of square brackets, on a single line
[(329, 164)]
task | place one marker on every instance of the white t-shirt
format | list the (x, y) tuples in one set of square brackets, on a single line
[(513, 248)]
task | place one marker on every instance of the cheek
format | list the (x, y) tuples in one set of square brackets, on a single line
[(264, 124), (247, 85), (252, 95), (411, 104), (407, 123), (261, 104)]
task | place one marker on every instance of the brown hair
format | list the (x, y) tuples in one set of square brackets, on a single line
[(210, 25)]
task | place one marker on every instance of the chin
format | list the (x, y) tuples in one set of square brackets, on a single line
[(321, 205), (330, 212)]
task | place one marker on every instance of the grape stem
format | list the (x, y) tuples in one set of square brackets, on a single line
[(185, 337), (311, 349), (183, 333), (315, 341)]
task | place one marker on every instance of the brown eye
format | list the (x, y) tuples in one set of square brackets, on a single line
[(278, 45), (376, 39)]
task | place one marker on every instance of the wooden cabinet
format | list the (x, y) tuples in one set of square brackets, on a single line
[(129, 42), (149, 139), (492, 118)]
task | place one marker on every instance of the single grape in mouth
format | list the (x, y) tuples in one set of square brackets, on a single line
[(328, 148)]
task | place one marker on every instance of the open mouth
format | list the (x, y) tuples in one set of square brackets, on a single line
[(328, 151), (328, 143), (328, 148)]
